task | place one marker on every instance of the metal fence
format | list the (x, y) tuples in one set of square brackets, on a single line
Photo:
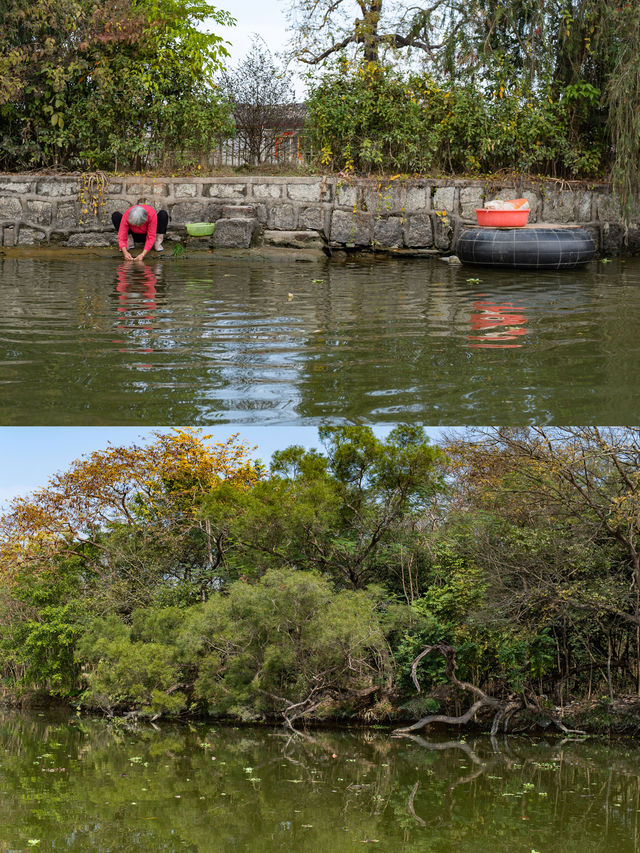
[(285, 149)]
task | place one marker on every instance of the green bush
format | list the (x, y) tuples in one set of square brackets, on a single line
[(367, 118), (290, 645)]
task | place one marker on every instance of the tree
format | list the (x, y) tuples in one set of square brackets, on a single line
[(290, 646), (557, 526), (91, 81), (353, 514), (327, 27), (263, 100), (130, 516)]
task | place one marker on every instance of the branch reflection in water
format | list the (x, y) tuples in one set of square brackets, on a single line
[(86, 783)]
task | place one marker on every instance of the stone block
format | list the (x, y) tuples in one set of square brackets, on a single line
[(113, 205), (444, 198), (39, 212), (293, 239), (10, 208), (282, 217), (261, 213), (442, 233), (57, 238), (266, 191), (57, 188), (185, 190), (225, 190), (608, 208), (612, 236), (471, 198), (582, 206), (387, 232), (8, 236), (633, 237), (594, 230), (371, 200), (212, 211), (233, 211), (147, 190), (352, 229), (558, 206), (92, 240), (30, 237), (114, 188), (18, 187), (66, 215), (312, 218), (418, 231), (188, 211), (305, 191), (234, 233), (383, 199), (417, 198), (346, 195)]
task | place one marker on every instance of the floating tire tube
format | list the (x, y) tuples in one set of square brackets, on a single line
[(528, 248)]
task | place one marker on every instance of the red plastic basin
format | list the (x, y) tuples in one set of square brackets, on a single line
[(497, 218)]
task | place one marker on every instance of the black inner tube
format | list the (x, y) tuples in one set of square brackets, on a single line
[(527, 248)]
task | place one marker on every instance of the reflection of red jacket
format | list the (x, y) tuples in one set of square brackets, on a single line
[(149, 227), (143, 276)]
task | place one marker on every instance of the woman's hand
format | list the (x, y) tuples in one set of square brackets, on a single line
[(141, 256), (126, 255)]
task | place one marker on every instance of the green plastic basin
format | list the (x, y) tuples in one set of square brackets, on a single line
[(200, 229)]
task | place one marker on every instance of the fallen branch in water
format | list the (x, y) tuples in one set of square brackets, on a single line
[(504, 710)]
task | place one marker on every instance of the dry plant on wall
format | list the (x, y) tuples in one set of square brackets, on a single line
[(92, 192)]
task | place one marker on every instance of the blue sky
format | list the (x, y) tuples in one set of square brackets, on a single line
[(29, 456), (262, 17)]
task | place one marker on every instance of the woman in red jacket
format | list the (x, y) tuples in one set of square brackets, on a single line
[(144, 225)]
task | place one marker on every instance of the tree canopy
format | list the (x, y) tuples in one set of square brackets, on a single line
[(379, 578), (107, 82)]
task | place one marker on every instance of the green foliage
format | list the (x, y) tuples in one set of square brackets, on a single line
[(179, 578), (121, 673), (373, 119), (289, 645), (115, 85), (347, 514)]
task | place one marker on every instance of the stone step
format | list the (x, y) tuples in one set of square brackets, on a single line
[(293, 239), (235, 233)]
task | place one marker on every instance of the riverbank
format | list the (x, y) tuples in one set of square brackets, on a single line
[(399, 214), (597, 717)]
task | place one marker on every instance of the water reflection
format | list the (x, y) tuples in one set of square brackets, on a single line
[(270, 340), (499, 322), (136, 286), (86, 784)]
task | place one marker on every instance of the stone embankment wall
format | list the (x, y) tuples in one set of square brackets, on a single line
[(418, 216)]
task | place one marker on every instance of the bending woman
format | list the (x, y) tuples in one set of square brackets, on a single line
[(144, 225)]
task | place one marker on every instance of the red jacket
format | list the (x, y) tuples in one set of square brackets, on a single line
[(149, 227)]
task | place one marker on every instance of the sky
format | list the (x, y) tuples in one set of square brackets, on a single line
[(262, 17), (29, 456)]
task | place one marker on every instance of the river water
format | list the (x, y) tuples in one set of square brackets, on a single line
[(277, 339), (85, 784)]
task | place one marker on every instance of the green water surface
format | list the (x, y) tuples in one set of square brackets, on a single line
[(85, 784), (277, 339)]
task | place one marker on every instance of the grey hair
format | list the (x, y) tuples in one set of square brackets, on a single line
[(137, 215)]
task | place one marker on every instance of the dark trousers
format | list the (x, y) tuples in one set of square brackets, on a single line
[(163, 221)]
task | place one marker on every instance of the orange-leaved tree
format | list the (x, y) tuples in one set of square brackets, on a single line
[(131, 514)]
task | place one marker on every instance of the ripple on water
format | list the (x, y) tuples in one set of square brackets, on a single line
[(248, 339)]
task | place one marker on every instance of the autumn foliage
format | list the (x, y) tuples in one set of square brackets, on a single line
[(180, 576)]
